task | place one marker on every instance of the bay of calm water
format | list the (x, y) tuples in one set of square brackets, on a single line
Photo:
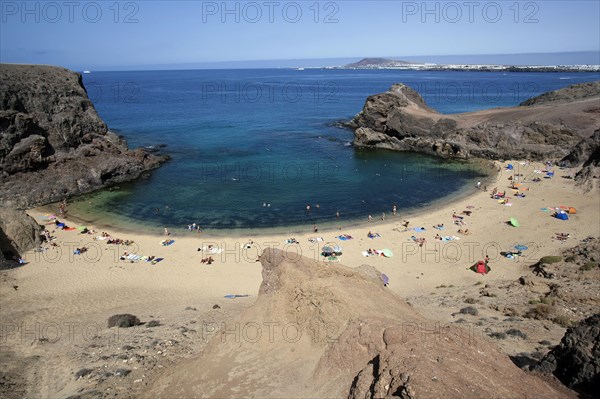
[(243, 139)]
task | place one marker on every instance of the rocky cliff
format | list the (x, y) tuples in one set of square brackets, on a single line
[(53, 143), (18, 233), (322, 330), (547, 126), (586, 155), (576, 360)]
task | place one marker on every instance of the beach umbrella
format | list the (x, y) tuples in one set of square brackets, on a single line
[(327, 249), (337, 248), (514, 222), (386, 279), (520, 247), (387, 253)]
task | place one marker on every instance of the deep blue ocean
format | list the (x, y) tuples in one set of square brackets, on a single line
[(253, 148)]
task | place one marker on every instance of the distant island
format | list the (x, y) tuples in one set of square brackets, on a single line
[(386, 63)]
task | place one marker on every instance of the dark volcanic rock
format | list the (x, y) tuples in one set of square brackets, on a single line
[(586, 152), (576, 360), (53, 143), (400, 120), (587, 155), (123, 320), (571, 93), (19, 232)]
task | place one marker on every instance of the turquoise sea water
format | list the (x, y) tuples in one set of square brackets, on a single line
[(251, 148)]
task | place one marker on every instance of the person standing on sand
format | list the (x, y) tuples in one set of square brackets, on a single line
[(394, 210), (478, 185), (315, 229), (370, 218), (167, 232), (383, 216)]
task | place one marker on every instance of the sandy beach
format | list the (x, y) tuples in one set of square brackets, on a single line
[(56, 304)]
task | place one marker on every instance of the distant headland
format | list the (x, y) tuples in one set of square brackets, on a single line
[(386, 63)]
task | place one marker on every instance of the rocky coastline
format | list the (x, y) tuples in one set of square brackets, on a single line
[(54, 145), (559, 125)]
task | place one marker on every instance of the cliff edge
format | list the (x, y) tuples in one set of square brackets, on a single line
[(53, 144), (547, 126)]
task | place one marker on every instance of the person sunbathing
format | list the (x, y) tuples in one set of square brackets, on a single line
[(438, 237), (464, 232)]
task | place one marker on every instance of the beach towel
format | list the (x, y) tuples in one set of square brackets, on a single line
[(375, 253), (101, 238), (372, 236), (450, 238), (438, 227), (155, 261), (419, 229), (345, 237), (233, 296), (69, 228), (562, 216), (385, 279), (213, 250), (166, 243)]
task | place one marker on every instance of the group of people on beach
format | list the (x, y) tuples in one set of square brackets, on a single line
[(194, 227)]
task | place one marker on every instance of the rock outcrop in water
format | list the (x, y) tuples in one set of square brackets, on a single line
[(320, 330), (544, 127), (53, 144)]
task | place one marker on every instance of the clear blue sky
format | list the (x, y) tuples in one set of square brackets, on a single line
[(94, 35)]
